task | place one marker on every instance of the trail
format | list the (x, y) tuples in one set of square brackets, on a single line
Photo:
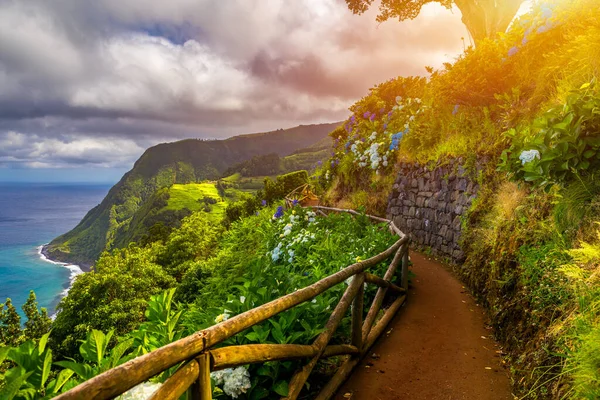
[(437, 347)]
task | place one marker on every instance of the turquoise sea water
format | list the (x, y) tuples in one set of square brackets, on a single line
[(31, 215)]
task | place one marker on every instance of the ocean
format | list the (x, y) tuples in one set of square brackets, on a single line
[(31, 215)]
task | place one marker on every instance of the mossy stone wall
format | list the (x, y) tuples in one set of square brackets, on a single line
[(428, 203)]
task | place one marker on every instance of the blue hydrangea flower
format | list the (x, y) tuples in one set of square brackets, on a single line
[(396, 139), (512, 51), (528, 156), (264, 203), (372, 118), (278, 213), (455, 111), (366, 114), (295, 203)]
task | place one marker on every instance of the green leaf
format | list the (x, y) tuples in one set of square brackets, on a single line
[(3, 353), (117, 352), (259, 393), (84, 371), (584, 164), (281, 388), (43, 342), (10, 389), (46, 366), (94, 347), (265, 370), (63, 377), (589, 153)]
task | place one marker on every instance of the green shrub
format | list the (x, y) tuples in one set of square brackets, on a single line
[(263, 258), (284, 184), (560, 147)]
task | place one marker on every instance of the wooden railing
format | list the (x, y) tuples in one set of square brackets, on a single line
[(303, 195), (199, 358)]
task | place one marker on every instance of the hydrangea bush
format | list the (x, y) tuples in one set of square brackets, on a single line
[(561, 146), (371, 141), (299, 249)]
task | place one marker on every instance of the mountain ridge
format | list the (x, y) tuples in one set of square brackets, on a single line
[(162, 165)]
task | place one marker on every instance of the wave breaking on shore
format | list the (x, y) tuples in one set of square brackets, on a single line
[(75, 269)]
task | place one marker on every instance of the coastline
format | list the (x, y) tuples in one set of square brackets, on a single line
[(75, 269)]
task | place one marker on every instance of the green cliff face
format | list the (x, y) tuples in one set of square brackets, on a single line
[(113, 223)]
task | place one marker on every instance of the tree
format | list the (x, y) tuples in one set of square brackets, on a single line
[(10, 325), (38, 322), (483, 18)]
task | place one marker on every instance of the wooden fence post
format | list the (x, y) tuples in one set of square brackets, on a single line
[(357, 313), (202, 390), (405, 262)]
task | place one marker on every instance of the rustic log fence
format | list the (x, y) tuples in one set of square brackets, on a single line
[(302, 195), (198, 357)]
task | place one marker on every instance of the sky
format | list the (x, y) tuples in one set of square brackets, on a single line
[(89, 85)]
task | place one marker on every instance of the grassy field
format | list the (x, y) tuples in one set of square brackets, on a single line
[(232, 178), (246, 184), (190, 196)]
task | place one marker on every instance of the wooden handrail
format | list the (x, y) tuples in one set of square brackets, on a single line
[(233, 356), (195, 373)]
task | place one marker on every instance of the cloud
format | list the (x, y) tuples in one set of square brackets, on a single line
[(76, 74), (33, 151)]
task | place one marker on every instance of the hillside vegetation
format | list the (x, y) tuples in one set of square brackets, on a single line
[(196, 278), (109, 225), (529, 101)]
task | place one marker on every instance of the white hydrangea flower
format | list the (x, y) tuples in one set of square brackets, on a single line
[(219, 376), (276, 253), (222, 317), (235, 381), (242, 299), (142, 391), (528, 156)]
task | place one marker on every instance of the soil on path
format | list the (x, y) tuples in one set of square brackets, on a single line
[(437, 347)]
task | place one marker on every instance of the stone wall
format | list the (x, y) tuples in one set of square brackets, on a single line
[(429, 202)]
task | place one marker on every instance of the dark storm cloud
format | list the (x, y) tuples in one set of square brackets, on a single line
[(78, 78)]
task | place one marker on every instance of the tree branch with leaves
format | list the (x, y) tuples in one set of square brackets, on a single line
[(483, 18)]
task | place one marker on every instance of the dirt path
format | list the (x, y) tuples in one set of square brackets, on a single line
[(438, 347)]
